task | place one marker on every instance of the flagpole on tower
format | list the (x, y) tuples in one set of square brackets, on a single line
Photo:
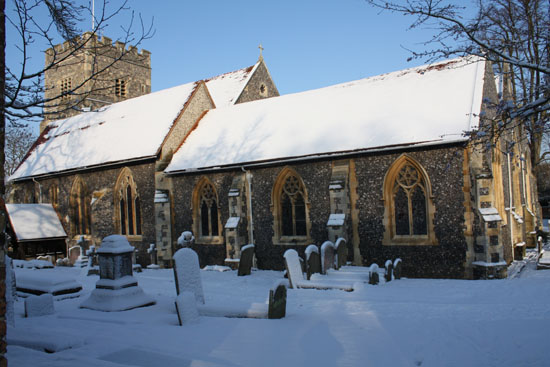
[(93, 15)]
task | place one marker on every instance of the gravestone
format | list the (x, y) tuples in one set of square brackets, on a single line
[(389, 270), (187, 273), (186, 308), (327, 256), (152, 251), (313, 260), (277, 301), (116, 289), (39, 305), (74, 253), (397, 268), (341, 252), (82, 260), (93, 268), (374, 278), (245, 263)]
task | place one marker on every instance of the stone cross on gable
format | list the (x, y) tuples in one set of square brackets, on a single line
[(261, 50)]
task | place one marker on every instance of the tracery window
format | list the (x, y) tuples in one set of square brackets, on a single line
[(127, 204), (408, 205), (290, 208), (80, 208), (206, 213), (293, 208)]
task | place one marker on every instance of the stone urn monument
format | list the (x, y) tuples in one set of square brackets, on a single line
[(116, 289)]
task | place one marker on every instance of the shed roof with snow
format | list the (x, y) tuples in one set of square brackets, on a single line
[(133, 129), (426, 104), (32, 222)]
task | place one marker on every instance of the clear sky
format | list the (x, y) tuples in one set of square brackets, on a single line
[(307, 43)]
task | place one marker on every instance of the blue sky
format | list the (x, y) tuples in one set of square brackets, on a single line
[(307, 43)]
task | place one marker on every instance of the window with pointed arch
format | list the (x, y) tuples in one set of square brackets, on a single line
[(408, 204), (206, 218), (290, 209), (127, 204), (79, 204)]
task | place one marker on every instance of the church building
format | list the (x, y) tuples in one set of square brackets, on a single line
[(396, 164)]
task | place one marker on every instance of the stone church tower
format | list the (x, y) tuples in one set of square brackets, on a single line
[(98, 73)]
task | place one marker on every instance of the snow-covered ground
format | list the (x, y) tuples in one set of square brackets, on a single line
[(409, 322)]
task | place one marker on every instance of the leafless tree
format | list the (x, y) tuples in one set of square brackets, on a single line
[(37, 25), (513, 34), (18, 142)]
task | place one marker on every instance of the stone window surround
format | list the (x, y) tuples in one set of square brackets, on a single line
[(196, 205), (276, 194), (390, 238), (126, 179), (80, 210)]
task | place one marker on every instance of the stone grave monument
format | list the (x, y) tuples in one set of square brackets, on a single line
[(116, 289)]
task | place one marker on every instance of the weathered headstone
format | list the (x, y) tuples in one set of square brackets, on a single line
[(389, 270), (93, 267), (397, 268), (152, 251), (74, 253), (39, 305), (245, 263), (327, 256), (341, 252), (313, 260), (186, 308), (82, 260), (116, 289), (277, 302), (187, 273), (374, 278), (135, 266)]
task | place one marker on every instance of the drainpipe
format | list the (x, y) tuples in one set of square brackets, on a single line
[(510, 204), (249, 205), (250, 216), (39, 190)]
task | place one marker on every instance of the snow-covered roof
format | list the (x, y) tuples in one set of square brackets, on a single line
[(34, 221), (131, 129), (128, 130), (225, 89), (436, 103)]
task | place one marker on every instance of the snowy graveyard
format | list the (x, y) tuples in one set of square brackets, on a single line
[(409, 322)]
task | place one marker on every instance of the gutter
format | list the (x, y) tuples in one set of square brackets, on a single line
[(315, 157), (81, 169)]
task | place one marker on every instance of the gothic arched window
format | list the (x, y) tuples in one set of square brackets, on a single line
[(408, 205), (127, 204), (290, 209), (79, 203), (207, 213)]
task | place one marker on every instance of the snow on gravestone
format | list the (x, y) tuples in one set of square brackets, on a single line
[(116, 289), (39, 305), (389, 270), (187, 273)]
